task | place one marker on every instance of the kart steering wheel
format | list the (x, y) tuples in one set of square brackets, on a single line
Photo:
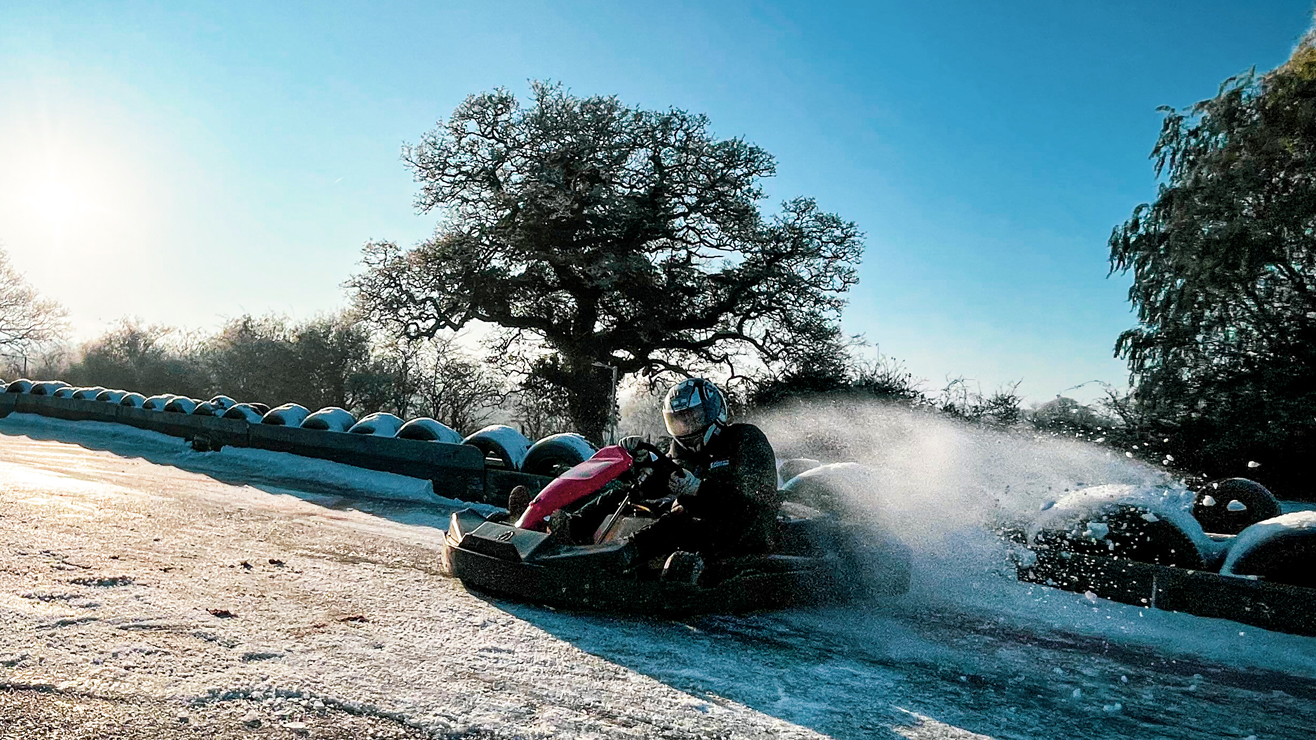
[(662, 464), (659, 464)]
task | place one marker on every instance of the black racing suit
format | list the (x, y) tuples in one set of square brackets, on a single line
[(734, 512)]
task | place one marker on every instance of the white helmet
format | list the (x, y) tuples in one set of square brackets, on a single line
[(693, 411)]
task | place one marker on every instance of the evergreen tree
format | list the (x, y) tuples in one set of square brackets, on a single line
[(1224, 275)]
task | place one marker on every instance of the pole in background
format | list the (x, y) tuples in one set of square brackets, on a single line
[(612, 411)]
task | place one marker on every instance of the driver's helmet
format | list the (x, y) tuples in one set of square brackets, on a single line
[(693, 411)]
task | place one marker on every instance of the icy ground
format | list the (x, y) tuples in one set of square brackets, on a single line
[(132, 568)]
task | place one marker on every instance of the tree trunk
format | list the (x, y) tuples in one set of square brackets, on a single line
[(589, 398)]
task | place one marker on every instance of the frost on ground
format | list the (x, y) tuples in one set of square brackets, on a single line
[(259, 594)]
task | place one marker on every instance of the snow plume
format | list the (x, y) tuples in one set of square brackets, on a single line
[(943, 486)]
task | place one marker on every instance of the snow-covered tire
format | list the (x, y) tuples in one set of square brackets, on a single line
[(1149, 525), (214, 407), (133, 400), (246, 412), (287, 415), (501, 442), (330, 419), (222, 402), (181, 405), (111, 396), (788, 469), (66, 392), (834, 488), (555, 454), (47, 387), (1229, 506), (426, 429), (156, 403), (22, 385), (206, 408), (378, 424), (1279, 550)]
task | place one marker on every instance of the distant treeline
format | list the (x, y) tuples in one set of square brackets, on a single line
[(326, 361), (338, 360)]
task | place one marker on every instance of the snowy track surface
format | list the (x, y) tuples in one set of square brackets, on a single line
[(245, 593)]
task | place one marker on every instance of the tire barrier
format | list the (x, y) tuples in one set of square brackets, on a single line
[(134, 400), (1147, 525), (68, 409), (330, 419), (1281, 549), (244, 412), (206, 408), (1229, 506), (502, 443), (204, 432), (426, 429), (181, 405), (378, 424), (22, 385), (157, 403), (47, 388), (111, 396), (1273, 606), (555, 454), (214, 407), (287, 415), (456, 470)]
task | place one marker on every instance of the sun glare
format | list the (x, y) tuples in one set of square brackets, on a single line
[(55, 202)]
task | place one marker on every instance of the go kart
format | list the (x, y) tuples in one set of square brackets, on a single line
[(818, 558)]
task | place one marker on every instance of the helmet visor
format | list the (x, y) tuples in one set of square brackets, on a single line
[(686, 422)]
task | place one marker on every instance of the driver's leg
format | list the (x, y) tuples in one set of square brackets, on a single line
[(582, 524), (674, 531)]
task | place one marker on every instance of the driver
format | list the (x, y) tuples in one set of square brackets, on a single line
[(725, 493)]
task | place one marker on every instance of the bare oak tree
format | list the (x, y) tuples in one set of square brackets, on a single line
[(613, 235)]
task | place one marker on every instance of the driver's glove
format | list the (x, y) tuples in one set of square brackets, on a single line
[(631, 444), (683, 483)]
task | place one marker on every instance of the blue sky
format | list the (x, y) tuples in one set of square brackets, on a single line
[(235, 159)]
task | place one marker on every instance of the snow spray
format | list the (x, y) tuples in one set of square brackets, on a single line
[(943, 486)]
